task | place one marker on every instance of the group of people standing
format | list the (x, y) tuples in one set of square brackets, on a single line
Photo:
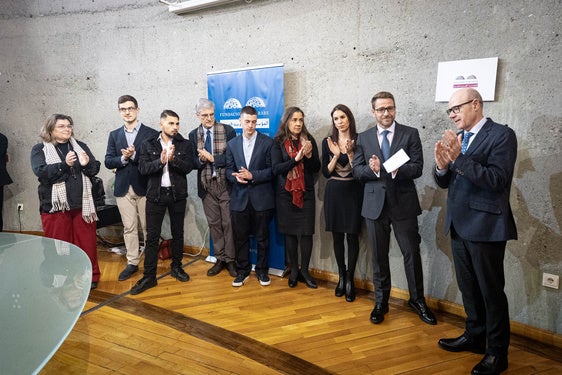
[(244, 180)]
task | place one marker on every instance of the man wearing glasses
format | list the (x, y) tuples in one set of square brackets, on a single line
[(390, 197), (210, 139), (130, 185), (476, 165)]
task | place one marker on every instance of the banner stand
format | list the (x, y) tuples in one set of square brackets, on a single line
[(261, 87)]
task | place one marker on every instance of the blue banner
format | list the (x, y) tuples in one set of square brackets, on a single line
[(261, 88)]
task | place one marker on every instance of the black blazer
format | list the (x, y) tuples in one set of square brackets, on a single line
[(260, 190), (479, 184), (128, 174), (399, 193)]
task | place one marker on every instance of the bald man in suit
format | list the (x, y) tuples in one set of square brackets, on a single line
[(476, 165)]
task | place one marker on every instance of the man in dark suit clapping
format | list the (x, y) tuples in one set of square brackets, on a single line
[(477, 165), (390, 197)]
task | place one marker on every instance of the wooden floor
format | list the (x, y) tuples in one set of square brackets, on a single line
[(206, 326)]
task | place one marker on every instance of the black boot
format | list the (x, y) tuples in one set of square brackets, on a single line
[(306, 277), (349, 288), (340, 288)]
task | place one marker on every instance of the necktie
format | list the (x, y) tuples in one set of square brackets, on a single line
[(465, 139), (385, 147), (209, 147)]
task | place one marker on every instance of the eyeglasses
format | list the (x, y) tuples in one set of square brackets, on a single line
[(456, 109), (382, 110), (64, 127), (206, 115), (128, 109)]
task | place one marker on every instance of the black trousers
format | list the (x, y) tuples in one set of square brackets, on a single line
[(244, 224), (408, 238), (480, 276), (155, 212)]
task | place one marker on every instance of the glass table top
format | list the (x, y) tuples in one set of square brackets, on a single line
[(44, 285)]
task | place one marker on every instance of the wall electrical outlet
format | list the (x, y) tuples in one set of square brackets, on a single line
[(551, 281), (20, 206)]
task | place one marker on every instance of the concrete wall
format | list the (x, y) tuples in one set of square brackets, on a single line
[(77, 57)]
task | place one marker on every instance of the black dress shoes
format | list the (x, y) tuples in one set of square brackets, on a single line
[(180, 274), (216, 268), (231, 267), (304, 277), (143, 284), (490, 365), (377, 315), (128, 272), (293, 282), (423, 311), (463, 343)]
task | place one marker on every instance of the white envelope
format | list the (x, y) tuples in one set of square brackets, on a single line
[(396, 161)]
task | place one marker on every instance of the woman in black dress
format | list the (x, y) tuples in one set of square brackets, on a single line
[(295, 160), (343, 197)]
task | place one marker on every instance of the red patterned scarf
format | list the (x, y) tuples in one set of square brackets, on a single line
[(295, 177)]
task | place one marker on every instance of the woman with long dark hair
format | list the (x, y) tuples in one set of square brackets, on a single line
[(295, 161), (343, 197)]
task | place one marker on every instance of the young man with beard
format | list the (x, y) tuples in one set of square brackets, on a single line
[(166, 160)]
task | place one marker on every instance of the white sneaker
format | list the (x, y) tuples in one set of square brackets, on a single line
[(264, 279), (240, 279)]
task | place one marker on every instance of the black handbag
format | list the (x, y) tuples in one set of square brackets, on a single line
[(98, 192)]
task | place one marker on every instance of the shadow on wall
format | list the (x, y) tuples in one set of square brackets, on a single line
[(538, 246), (440, 272)]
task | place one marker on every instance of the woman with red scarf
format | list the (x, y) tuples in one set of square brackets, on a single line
[(295, 160)]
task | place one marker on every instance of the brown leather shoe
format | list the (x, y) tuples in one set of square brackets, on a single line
[(231, 267), (216, 268)]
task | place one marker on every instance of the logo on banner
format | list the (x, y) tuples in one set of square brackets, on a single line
[(232, 107)]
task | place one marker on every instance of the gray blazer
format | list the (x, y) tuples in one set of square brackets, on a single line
[(399, 193)]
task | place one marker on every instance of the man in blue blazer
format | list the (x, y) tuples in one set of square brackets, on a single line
[(477, 166), (252, 199), (390, 197), (130, 185)]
